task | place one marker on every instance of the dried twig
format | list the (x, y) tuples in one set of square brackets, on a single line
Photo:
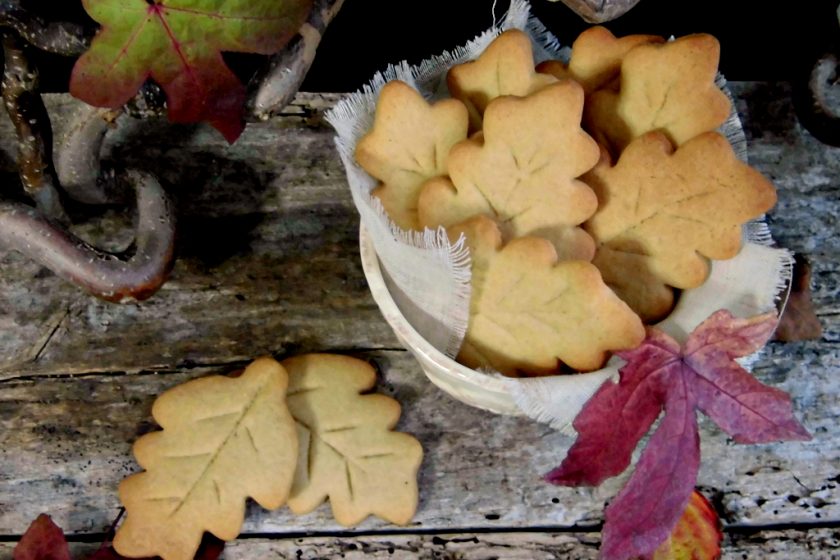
[(274, 87), (105, 275)]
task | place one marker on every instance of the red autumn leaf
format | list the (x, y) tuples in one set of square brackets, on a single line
[(43, 540), (642, 515), (659, 375), (697, 535), (616, 418), (179, 44)]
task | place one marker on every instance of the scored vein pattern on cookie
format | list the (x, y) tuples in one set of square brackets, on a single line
[(522, 172), (408, 145), (674, 210), (348, 452), (668, 87), (529, 311), (223, 440)]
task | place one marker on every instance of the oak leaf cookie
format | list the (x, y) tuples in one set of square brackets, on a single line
[(223, 440), (408, 145), (668, 87), (506, 67), (596, 57), (528, 312), (677, 209), (523, 174), (348, 452)]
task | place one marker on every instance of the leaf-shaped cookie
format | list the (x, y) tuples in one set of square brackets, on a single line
[(223, 440), (506, 67), (677, 208), (528, 311), (668, 87), (523, 174), (596, 57), (348, 453), (408, 145)]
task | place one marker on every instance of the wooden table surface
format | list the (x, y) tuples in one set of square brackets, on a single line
[(268, 264)]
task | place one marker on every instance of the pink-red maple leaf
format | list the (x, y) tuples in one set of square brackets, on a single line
[(179, 44), (659, 375)]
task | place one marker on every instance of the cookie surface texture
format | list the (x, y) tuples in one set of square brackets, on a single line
[(223, 440), (409, 144), (668, 87), (679, 208), (524, 173), (630, 277), (506, 67), (528, 311), (596, 57), (348, 452)]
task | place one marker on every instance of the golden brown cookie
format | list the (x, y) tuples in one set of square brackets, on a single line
[(223, 440), (596, 57), (523, 174), (529, 313), (630, 277), (348, 452), (408, 145), (506, 67), (668, 87), (679, 208)]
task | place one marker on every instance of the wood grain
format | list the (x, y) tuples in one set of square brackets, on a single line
[(816, 544), (268, 264)]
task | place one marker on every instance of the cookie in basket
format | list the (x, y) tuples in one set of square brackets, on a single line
[(522, 172), (668, 87), (664, 213), (530, 314), (408, 145), (506, 67), (596, 58)]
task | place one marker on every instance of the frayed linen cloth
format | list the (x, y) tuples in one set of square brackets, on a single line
[(429, 277)]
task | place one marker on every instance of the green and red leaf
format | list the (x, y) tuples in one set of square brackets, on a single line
[(179, 44)]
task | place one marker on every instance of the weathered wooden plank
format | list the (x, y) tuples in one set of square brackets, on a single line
[(816, 544), (269, 265), (269, 261), (268, 246), (65, 444)]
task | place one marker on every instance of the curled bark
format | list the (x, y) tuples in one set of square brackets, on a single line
[(275, 86), (77, 159), (29, 116), (58, 37), (104, 275)]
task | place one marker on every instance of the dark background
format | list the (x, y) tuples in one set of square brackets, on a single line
[(761, 40)]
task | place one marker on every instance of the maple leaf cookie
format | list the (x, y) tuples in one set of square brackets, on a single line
[(668, 87), (523, 173), (596, 57), (408, 145), (529, 311), (506, 67), (674, 210)]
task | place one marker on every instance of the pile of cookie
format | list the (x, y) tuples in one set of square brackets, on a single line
[(590, 193), (296, 433)]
